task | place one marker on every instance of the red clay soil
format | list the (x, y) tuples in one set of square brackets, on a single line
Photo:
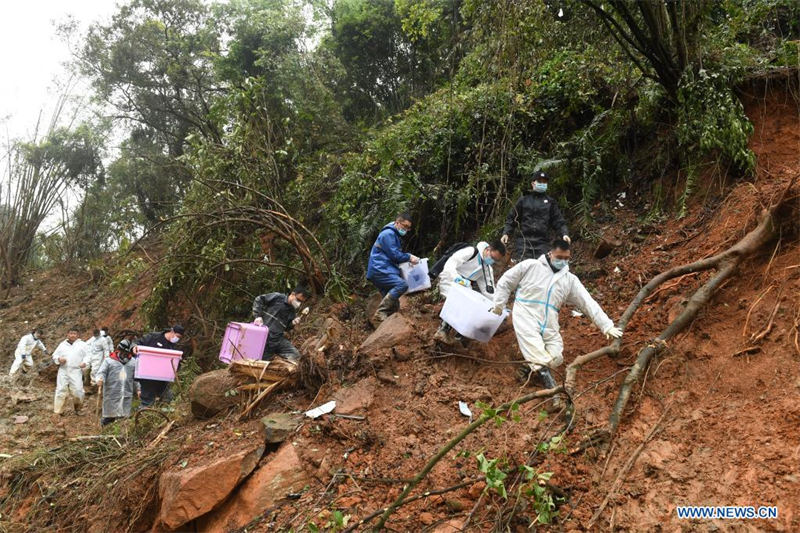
[(731, 435)]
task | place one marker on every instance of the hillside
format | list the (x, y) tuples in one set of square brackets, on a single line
[(715, 421)]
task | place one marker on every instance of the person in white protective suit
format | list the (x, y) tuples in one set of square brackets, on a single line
[(96, 346), (71, 356), (22, 355), (542, 287), (109, 342), (471, 267), (115, 380)]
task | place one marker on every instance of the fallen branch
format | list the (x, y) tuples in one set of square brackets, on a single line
[(749, 349), (90, 437), (161, 435), (750, 311), (759, 336), (427, 494), (485, 417), (263, 394)]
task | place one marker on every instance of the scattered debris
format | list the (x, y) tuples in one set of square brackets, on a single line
[(464, 408), (323, 409), (20, 419)]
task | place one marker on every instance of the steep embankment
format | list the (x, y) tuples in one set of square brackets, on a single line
[(723, 398)]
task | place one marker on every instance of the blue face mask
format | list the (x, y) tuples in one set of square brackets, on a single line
[(402, 231), (488, 260), (558, 264), (539, 187)]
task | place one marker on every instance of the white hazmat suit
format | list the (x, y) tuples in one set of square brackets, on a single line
[(468, 265), (69, 380), (109, 342), (22, 355), (540, 294), (118, 387), (97, 347)]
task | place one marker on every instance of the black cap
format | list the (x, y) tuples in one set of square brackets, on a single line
[(540, 175), (177, 328)]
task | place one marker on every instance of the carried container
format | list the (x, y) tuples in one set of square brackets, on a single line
[(469, 313), (416, 275), (243, 341), (158, 364)]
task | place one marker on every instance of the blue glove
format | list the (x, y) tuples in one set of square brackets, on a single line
[(461, 281)]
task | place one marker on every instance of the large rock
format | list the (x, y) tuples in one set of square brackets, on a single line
[(192, 492), (355, 399), (281, 474), (277, 427), (394, 330), (210, 393)]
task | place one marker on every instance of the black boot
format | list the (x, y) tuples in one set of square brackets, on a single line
[(547, 381), (546, 378)]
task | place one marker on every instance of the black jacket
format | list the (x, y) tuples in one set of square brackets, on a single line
[(533, 217), (157, 339), (276, 312)]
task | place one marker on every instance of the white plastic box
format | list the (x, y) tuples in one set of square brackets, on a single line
[(416, 276), (469, 313)]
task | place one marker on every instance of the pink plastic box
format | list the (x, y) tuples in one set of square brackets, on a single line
[(158, 364), (243, 341)]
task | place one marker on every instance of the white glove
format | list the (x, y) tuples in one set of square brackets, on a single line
[(613, 332), (504, 239), (258, 321), (497, 309), (296, 321), (461, 281), (413, 260), (566, 238)]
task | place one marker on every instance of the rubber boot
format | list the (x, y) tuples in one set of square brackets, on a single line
[(546, 378), (388, 305), (547, 381), (524, 374)]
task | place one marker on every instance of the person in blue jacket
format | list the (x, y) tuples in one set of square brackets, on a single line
[(383, 270)]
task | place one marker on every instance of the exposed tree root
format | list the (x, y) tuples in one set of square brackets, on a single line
[(725, 264)]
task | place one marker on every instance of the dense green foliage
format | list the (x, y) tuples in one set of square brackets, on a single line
[(255, 125)]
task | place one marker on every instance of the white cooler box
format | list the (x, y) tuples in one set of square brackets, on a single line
[(416, 276), (469, 313)]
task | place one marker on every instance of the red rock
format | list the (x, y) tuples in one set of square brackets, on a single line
[(426, 518), (348, 502), (476, 489), (393, 331), (452, 526), (355, 399), (192, 492), (281, 473)]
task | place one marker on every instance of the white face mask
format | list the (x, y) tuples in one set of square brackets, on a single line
[(296, 304), (102, 333), (174, 339)]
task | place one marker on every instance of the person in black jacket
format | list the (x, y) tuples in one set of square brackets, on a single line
[(533, 217), (152, 389), (278, 312)]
